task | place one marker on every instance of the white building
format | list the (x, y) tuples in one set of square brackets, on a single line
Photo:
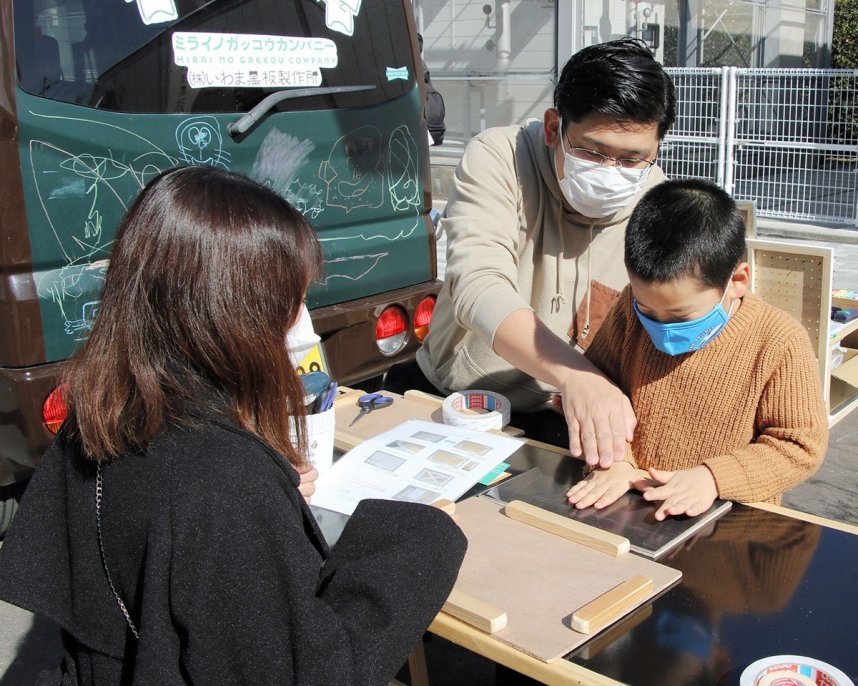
[(495, 61)]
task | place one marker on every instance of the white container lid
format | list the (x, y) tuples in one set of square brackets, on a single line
[(792, 670)]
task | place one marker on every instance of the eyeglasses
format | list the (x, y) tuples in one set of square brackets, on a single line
[(599, 158)]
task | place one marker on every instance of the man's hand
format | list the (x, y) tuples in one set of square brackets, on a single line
[(307, 486), (601, 487), (685, 492), (599, 416)]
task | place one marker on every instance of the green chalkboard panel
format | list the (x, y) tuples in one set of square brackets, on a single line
[(357, 175)]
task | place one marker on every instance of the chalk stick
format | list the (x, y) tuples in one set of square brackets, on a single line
[(590, 536), (475, 612), (609, 606)]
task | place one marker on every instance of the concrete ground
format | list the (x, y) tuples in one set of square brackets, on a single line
[(29, 644)]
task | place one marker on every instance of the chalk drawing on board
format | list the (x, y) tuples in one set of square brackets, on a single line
[(353, 171), (65, 286), (80, 328), (200, 142), (277, 163), (402, 170), (75, 191), (351, 267)]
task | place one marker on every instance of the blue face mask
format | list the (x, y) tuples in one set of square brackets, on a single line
[(677, 338)]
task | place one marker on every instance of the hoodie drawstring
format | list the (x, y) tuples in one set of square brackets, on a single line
[(559, 299), (586, 330)]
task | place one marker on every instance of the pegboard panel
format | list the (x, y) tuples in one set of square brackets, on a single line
[(748, 208), (797, 279)]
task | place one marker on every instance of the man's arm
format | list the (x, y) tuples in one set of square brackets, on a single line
[(599, 416)]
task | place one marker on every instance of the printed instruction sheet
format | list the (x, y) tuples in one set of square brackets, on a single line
[(417, 461)]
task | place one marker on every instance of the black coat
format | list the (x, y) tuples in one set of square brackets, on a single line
[(223, 569)]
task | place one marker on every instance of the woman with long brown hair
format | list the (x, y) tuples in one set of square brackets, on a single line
[(165, 531)]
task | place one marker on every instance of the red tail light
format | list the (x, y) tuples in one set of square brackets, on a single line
[(54, 410), (391, 330), (422, 317)]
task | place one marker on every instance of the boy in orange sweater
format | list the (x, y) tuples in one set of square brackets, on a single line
[(725, 387)]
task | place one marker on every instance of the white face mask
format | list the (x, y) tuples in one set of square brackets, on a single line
[(596, 190)]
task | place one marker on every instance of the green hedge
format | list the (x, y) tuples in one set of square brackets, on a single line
[(844, 46), (843, 119)]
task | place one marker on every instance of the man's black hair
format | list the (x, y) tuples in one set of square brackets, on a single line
[(687, 227), (619, 79)]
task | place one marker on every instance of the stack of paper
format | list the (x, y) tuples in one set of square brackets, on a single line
[(417, 461)]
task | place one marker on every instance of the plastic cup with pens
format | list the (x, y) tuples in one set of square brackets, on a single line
[(320, 392)]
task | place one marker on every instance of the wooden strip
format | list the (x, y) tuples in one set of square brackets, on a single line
[(558, 672), (475, 612), (807, 517), (590, 536), (417, 671), (424, 398), (345, 393), (612, 605), (447, 506)]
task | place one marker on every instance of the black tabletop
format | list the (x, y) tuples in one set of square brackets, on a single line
[(755, 584)]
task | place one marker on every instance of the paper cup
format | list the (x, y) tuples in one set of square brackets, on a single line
[(792, 670), (320, 439)]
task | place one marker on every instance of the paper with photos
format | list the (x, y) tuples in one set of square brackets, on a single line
[(416, 461)]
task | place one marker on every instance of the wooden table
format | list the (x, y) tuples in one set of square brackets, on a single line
[(762, 581)]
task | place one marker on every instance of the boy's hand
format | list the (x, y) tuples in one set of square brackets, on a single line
[(601, 487), (685, 492)]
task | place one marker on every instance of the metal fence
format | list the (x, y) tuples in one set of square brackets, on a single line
[(785, 138)]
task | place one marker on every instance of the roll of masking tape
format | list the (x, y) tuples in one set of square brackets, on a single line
[(481, 410), (792, 670)]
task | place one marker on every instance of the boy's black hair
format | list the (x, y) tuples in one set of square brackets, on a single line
[(619, 79), (687, 227)]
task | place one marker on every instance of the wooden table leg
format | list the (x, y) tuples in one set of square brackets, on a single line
[(417, 665)]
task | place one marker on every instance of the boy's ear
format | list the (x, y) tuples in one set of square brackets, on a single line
[(551, 126), (740, 282)]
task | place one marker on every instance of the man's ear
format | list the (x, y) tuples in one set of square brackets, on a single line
[(740, 282), (551, 126)]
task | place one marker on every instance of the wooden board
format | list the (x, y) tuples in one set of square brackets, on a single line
[(540, 579), (377, 421)]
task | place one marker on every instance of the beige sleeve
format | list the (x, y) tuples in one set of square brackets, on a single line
[(482, 225)]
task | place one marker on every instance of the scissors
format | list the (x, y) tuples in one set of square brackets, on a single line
[(370, 402)]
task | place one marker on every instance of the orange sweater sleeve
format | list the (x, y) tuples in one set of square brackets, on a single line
[(792, 430)]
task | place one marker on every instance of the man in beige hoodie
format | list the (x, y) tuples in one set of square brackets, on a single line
[(535, 226)]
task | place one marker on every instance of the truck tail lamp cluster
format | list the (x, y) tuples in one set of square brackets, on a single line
[(54, 410), (422, 317), (391, 336), (391, 328)]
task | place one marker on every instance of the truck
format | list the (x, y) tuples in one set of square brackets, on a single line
[(322, 100)]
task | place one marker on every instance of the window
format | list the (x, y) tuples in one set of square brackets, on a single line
[(103, 54)]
